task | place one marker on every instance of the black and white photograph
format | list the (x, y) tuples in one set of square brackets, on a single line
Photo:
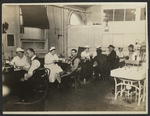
[(75, 58)]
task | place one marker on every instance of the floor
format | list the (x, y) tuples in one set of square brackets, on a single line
[(94, 96)]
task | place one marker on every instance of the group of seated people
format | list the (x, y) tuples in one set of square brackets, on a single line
[(88, 65)]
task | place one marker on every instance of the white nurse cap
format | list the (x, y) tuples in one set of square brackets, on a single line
[(52, 48), (19, 50)]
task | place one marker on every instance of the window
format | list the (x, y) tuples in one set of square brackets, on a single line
[(109, 14), (10, 40), (119, 15), (123, 14), (35, 16), (130, 15), (143, 14)]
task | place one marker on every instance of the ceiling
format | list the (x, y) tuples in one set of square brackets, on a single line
[(81, 6), (84, 6)]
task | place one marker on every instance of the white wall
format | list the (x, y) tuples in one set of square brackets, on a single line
[(84, 35), (124, 33), (10, 14), (94, 15), (32, 33), (120, 34)]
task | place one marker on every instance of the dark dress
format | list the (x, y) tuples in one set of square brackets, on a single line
[(86, 69), (112, 60), (102, 65)]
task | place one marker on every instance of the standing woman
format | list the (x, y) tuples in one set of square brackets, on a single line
[(51, 60), (86, 64)]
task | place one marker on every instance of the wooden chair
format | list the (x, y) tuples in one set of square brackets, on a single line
[(41, 87)]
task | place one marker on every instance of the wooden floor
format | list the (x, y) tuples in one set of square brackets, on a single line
[(95, 96)]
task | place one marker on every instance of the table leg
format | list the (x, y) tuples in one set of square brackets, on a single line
[(121, 91), (144, 91), (139, 93), (115, 88)]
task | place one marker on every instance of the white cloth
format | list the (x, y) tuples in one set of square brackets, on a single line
[(35, 64), (20, 62), (133, 73), (85, 55), (94, 54), (133, 55), (120, 54), (137, 46), (50, 64)]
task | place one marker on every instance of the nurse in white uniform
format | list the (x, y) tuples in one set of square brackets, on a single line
[(20, 60), (50, 62)]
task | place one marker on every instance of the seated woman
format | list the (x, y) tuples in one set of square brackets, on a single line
[(20, 60), (112, 58), (132, 55), (121, 57), (21, 66), (51, 60)]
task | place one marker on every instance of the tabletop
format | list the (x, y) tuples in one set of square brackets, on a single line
[(129, 73)]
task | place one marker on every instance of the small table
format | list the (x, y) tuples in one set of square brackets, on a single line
[(128, 78)]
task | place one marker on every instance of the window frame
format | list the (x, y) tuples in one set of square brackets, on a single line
[(123, 15), (112, 14), (141, 14), (126, 14), (7, 40)]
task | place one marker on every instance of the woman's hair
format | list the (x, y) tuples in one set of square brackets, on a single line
[(74, 50), (20, 51), (99, 51), (31, 49), (131, 45)]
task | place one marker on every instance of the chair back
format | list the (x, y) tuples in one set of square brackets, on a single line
[(80, 50), (42, 73)]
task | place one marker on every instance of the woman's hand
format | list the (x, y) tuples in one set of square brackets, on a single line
[(26, 76), (95, 64), (22, 79)]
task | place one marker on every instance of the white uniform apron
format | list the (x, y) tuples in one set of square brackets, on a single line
[(54, 68)]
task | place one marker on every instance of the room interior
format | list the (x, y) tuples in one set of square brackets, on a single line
[(68, 26)]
